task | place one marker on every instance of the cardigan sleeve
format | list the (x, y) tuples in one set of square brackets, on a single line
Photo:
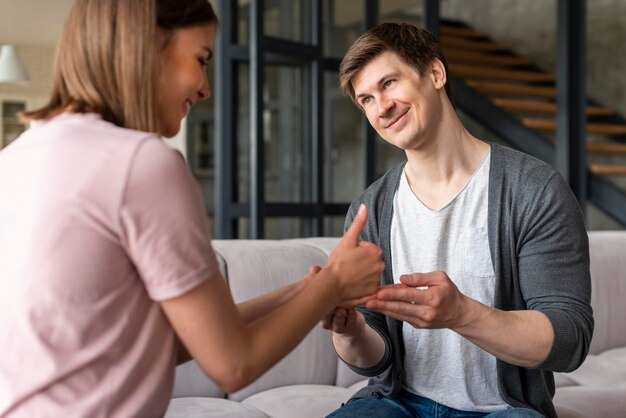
[(554, 275), (375, 320)]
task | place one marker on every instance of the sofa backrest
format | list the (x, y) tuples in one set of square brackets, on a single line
[(253, 267), (607, 250)]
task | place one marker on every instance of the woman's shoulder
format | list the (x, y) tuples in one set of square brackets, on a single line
[(90, 126)]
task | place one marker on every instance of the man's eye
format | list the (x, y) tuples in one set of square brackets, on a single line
[(388, 83), (203, 61), (367, 100)]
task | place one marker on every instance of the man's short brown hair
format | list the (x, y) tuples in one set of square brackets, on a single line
[(414, 45)]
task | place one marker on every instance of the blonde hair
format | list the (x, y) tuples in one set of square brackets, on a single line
[(107, 58)]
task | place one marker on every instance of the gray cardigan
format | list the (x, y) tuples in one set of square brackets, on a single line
[(540, 255)]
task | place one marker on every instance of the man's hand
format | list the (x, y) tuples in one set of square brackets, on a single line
[(432, 300), (355, 342), (424, 300), (345, 321)]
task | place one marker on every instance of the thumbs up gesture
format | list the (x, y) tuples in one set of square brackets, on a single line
[(356, 265)]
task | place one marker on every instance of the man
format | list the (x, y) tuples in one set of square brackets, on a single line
[(486, 288)]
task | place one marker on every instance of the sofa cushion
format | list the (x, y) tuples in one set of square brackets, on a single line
[(302, 401), (190, 380), (590, 402), (561, 380), (210, 407), (606, 370), (345, 375)]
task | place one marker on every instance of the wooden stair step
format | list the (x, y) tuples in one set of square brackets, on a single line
[(592, 128), (546, 107), (463, 56), (602, 169), (606, 148), (499, 74), (512, 89), (461, 31), (460, 42)]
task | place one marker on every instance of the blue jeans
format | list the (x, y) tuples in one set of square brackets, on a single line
[(409, 405)]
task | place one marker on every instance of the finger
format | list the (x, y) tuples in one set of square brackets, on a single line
[(402, 311), (351, 318), (315, 269), (327, 321), (339, 319), (412, 320), (351, 237), (357, 301), (394, 286), (421, 279), (404, 294)]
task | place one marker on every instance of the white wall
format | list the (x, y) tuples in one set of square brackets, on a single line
[(38, 62)]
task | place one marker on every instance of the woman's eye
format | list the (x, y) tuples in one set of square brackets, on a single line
[(366, 100), (203, 61)]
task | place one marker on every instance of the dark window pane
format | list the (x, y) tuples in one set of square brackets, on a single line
[(284, 228), (409, 11), (243, 21), (387, 156), (243, 228), (200, 128), (287, 148), (242, 127), (343, 24), (333, 226), (288, 19), (343, 143)]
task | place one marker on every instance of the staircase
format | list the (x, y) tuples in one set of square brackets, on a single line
[(510, 95)]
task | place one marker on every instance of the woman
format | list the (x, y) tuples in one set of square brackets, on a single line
[(104, 250)]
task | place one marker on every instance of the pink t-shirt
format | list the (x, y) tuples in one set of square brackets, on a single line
[(97, 224)]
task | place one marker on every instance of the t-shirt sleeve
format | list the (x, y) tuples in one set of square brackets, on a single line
[(163, 222)]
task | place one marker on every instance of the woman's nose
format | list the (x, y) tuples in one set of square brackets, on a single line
[(205, 90)]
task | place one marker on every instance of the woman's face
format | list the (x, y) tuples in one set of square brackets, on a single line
[(184, 55)]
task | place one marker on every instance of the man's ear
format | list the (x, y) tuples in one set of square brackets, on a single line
[(438, 73)]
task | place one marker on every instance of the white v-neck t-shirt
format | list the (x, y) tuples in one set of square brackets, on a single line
[(440, 364)]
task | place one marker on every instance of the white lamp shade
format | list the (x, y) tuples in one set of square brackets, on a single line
[(11, 68)]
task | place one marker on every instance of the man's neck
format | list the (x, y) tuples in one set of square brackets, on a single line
[(438, 170)]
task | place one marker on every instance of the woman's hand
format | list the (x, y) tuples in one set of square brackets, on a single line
[(355, 265)]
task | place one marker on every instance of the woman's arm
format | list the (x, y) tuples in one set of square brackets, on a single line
[(234, 353), (257, 307)]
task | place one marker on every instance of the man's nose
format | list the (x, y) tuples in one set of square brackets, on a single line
[(385, 104)]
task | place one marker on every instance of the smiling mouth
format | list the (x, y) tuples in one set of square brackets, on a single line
[(187, 107), (393, 122)]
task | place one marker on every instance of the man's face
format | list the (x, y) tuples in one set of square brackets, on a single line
[(402, 106)]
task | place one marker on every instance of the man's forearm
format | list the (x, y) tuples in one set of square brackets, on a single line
[(364, 350), (522, 338)]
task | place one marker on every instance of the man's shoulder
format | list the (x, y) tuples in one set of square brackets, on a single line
[(380, 187), (512, 166), (375, 194), (513, 159)]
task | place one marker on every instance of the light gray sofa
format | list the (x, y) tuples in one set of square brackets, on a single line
[(311, 382)]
